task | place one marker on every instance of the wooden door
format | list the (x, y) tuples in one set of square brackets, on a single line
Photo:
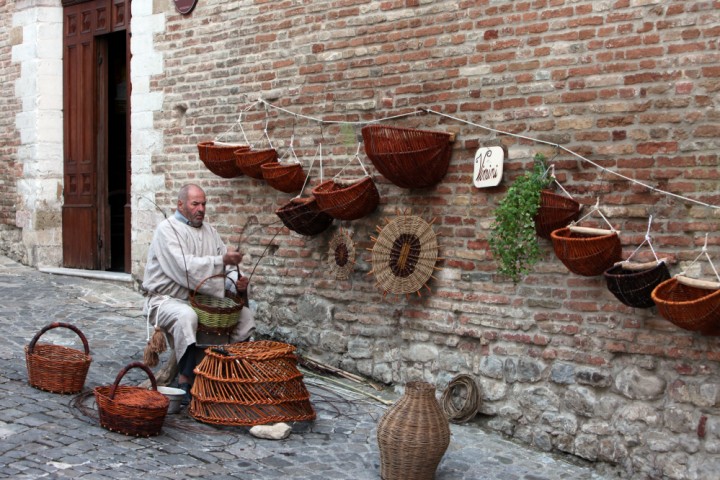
[(85, 214)]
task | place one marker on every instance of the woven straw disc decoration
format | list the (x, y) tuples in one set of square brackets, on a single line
[(404, 255), (341, 254)]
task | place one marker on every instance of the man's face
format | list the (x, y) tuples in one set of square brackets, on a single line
[(194, 208)]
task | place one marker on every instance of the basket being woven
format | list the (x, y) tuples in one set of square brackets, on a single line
[(555, 211), (220, 159), (215, 314), (250, 162), (634, 287), (347, 201), (586, 255), (688, 307), (132, 410), (408, 157), (250, 383), (55, 368), (285, 177), (303, 216)]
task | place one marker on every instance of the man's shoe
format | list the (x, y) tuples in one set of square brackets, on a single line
[(188, 396)]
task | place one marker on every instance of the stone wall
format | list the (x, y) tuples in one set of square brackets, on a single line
[(562, 365), (10, 169)]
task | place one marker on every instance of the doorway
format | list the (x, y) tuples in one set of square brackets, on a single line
[(96, 93)]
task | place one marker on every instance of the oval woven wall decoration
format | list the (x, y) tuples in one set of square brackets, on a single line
[(341, 254), (404, 255)]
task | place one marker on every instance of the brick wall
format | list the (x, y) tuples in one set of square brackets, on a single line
[(10, 169), (561, 364)]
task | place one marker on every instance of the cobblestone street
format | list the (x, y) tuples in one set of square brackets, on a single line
[(45, 435)]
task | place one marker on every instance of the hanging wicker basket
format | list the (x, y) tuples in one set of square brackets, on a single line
[(555, 211), (287, 178), (55, 368), (216, 315), (634, 287), (408, 157), (250, 161), (347, 201), (586, 255), (250, 383), (303, 216), (220, 158), (688, 307), (132, 410)]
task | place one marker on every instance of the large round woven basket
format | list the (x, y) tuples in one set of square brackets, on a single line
[(404, 255), (688, 307), (216, 315), (347, 201), (250, 162), (555, 211), (586, 255), (408, 157), (285, 177), (250, 383), (634, 287), (132, 410), (303, 216), (56, 368), (220, 158)]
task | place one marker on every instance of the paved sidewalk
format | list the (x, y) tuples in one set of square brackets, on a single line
[(44, 435)]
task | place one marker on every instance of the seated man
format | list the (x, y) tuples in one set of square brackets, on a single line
[(184, 251)]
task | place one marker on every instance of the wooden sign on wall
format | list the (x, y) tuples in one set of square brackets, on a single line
[(488, 168)]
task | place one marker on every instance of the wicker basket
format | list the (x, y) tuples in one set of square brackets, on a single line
[(220, 159), (131, 410), (287, 178), (688, 307), (555, 211), (55, 368), (347, 202), (250, 383), (250, 161), (216, 315), (303, 216), (586, 255), (634, 287), (408, 157)]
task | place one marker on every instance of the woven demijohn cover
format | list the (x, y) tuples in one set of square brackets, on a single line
[(303, 216), (408, 157), (555, 211), (634, 288), (688, 307), (250, 162), (586, 255), (404, 255), (341, 254), (250, 383), (56, 368), (132, 410), (220, 159), (413, 435)]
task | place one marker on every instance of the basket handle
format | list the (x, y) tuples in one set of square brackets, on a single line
[(224, 274), (56, 325), (127, 368)]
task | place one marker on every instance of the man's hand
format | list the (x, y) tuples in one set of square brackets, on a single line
[(232, 257), (242, 284)]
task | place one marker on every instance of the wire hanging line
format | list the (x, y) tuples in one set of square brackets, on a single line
[(266, 104)]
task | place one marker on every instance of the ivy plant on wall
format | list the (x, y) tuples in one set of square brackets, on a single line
[(513, 239)]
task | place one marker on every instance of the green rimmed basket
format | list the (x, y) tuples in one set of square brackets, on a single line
[(216, 315)]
